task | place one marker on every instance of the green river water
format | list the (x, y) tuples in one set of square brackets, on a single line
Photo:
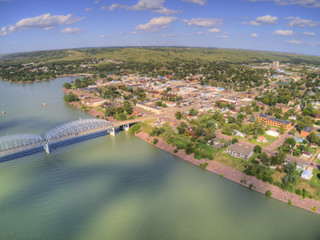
[(121, 187)]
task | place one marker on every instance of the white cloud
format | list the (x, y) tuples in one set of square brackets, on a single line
[(96, 1), (254, 35), (72, 30), (156, 24), (214, 30), (304, 3), (89, 9), (115, 6), (299, 22), (200, 32), (133, 32), (267, 19), (151, 5), (169, 35), (294, 41), (200, 2), (102, 36), (313, 43), (45, 21), (283, 32), (204, 22), (309, 33), (222, 36)]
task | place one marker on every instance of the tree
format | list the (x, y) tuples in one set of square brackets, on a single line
[(297, 152), (193, 112), (291, 141), (290, 167), (257, 149), (235, 140), (281, 129), (252, 119), (264, 158), (71, 97), (67, 85), (178, 115)]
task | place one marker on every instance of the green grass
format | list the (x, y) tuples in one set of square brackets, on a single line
[(315, 180)]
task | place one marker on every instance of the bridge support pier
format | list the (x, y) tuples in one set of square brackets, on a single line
[(46, 148), (113, 132), (126, 127)]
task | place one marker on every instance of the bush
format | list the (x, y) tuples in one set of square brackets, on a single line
[(221, 175), (290, 202), (251, 186), (314, 208), (135, 129), (257, 149), (203, 165), (155, 141), (268, 193), (175, 151)]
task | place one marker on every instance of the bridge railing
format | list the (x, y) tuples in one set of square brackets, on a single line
[(19, 142)]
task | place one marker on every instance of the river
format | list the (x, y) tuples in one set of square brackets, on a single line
[(121, 187)]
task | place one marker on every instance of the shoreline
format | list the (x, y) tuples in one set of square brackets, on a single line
[(49, 79), (237, 176)]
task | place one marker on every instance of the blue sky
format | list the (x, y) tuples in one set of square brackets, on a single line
[(272, 25)]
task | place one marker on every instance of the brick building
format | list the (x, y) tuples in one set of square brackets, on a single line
[(274, 121)]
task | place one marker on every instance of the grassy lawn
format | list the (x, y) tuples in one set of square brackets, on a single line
[(254, 141), (315, 180), (224, 158)]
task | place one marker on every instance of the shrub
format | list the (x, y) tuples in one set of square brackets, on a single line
[(175, 151), (155, 141), (314, 208), (203, 165), (290, 202), (268, 193), (221, 175), (251, 186)]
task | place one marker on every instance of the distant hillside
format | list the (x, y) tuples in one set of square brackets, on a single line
[(158, 54)]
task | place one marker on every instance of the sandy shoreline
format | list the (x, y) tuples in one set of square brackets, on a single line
[(238, 176)]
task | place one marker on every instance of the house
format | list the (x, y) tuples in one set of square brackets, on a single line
[(274, 121), (262, 139), (240, 150), (307, 154), (306, 131), (239, 134), (149, 108), (301, 167), (298, 140), (272, 133), (317, 117), (306, 174), (313, 145)]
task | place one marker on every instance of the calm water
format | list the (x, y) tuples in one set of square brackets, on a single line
[(122, 188)]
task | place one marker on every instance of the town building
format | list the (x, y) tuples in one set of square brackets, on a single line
[(274, 121), (149, 108), (305, 132), (240, 151)]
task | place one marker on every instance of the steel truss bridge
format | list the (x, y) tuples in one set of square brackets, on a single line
[(24, 142)]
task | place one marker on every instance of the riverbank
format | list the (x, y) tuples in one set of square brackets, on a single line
[(238, 176), (48, 79)]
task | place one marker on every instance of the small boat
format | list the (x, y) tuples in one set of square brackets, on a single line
[(3, 113), (44, 104)]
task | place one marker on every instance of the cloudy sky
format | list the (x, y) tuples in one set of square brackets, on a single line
[(273, 25)]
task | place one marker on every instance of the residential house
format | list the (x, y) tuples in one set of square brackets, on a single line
[(240, 150), (307, 174), (307, 154), (262, 139)]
